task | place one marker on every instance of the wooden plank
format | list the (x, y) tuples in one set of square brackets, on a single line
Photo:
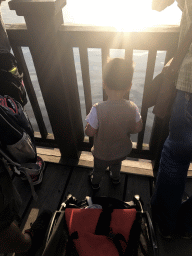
[(173, 247), (49, 192), (108, 189), (48, 8), (18, 34), (79, 185), (139, 185), (86, 77), (105, 29), (159, 39)]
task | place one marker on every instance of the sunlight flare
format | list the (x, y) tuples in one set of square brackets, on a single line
[(126, 15)]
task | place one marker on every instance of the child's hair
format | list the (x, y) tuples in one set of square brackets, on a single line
[(118, 74)]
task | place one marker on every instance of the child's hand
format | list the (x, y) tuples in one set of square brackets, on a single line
[(138, 127), (166, 67), (90, 131)]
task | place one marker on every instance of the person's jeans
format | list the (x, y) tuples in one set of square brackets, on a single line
[(167, 206)]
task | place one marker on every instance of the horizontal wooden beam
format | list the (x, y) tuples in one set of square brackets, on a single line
[(160, 38), (49, 7), (155, 37)]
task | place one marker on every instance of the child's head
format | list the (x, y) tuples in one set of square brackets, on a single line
[(118, 74)]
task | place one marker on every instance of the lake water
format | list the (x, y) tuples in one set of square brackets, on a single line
[(139, 58)]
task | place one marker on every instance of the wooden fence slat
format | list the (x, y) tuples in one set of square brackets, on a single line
[(129, 54), (129, 58), (86, 82), (105, 55), (30, 91), (86, 77), (148, 79)]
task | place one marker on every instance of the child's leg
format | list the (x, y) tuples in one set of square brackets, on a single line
[(99, 168), (115, 170)]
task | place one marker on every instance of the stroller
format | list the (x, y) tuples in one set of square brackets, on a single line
[(100, 226), (17, 142)]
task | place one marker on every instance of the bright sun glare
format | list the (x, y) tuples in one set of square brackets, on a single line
[(125, 15)]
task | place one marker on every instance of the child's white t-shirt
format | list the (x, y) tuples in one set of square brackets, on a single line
[(92, 119)]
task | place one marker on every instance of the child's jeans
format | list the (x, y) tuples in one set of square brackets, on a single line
[(100, 167)]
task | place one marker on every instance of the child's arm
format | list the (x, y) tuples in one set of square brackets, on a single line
[(138, 127), (92, 122), (139, 123), (90, 131)]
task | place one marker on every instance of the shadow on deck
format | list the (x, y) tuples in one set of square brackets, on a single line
[(60, 180)]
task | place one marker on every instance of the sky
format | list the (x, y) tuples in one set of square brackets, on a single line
[(122, 14)]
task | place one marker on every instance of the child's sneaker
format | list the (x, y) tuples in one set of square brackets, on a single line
[(94, 186), (114, 181), (37, 231), (36, 174)]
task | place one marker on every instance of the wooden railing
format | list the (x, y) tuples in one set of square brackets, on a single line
[(51, 48), (19, 37), (152, 40)]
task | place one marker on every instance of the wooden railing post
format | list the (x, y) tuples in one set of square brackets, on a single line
[(43, 19)]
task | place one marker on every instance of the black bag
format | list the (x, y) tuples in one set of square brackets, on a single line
[(17, 143), (78, 230), (16, 132), (162, 91), (11, 81)]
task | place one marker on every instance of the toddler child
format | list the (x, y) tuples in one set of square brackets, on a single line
[(111, 122)]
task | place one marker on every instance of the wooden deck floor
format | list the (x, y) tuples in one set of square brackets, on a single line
[(60, 180)]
